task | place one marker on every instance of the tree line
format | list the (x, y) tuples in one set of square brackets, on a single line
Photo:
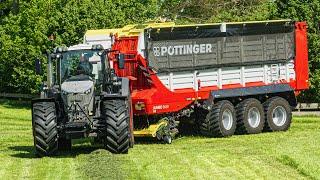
[(25, 26)]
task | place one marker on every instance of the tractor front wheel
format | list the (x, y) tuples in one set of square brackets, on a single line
[(117, 118), (45, 133)]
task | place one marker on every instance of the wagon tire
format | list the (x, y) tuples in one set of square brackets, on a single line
[(220, 120), (278, 114), (250, 117)]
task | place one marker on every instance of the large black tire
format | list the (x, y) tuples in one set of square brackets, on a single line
[(250, 117), (213, 125), (199, 116), (45, 133), (117, 126), (277, 107)]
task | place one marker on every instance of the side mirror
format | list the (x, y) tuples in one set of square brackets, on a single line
[(38, 66), (100, 53), (121, 61)]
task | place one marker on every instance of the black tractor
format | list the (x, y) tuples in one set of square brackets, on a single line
[(81, 98)]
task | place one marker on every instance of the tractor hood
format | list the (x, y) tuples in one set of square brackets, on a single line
[(77, 87), (78, 98)]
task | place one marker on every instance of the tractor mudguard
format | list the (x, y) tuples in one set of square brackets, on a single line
[(123, 94), (36, 100), (42, 100)]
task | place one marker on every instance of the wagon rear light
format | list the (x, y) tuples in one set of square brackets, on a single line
[(139, 106)]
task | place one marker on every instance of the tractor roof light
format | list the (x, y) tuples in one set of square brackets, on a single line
[(97, 47), (60, 49), (64, 49), (57, 50)]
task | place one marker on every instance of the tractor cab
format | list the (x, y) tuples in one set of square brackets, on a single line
[(84, 61), (77, 73)]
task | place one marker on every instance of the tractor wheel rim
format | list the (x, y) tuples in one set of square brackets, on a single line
[(254, 117), (227, 119), (279, 116)]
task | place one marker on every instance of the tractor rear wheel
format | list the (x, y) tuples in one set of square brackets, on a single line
[(278, 114), (250, 117), (45, 133), (220, 121), (117, 128)]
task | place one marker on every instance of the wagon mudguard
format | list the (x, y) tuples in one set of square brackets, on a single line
[(282, 90)]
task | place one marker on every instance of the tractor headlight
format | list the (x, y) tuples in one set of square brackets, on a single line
[(87, 91), (64, 92)]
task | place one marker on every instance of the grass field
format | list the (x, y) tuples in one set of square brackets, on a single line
[(287, 155)]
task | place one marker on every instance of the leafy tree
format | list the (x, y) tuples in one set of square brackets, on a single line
[(307, 10), (8, 5), (24, 36), (200, 11), (24, 33)]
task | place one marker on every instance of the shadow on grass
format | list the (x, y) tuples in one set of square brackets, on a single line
[(87, 145), (79, 146), (28, 152), (15, 104)]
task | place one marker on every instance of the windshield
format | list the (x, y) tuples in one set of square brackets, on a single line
[(82, 62)]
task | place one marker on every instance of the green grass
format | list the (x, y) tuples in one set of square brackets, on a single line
[(287, 155)]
